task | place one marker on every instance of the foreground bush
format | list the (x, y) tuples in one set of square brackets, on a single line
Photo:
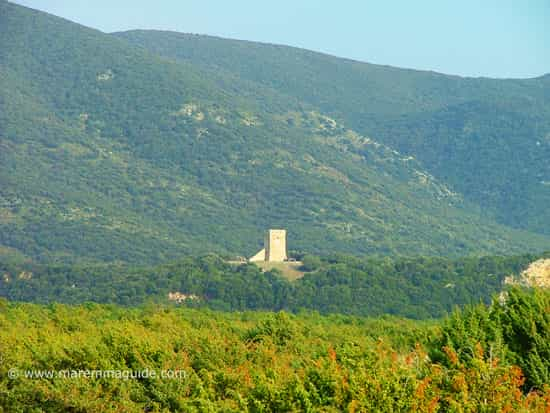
[(515, 329), (245, 362)]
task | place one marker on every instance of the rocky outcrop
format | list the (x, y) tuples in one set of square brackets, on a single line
[(180, 297), (536, 275)]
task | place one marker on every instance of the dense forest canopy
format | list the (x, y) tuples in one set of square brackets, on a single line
[(410, 287)]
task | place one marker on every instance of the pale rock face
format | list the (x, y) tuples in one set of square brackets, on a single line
[(536, 275), (105, 76), (180, 297), (25, 275)]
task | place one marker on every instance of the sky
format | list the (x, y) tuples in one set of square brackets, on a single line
[(490, 38)]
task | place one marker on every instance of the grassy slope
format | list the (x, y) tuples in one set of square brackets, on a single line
[(289, 270), (111, 153), (488, 139)]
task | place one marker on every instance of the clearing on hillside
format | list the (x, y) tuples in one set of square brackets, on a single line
[(290, 269)]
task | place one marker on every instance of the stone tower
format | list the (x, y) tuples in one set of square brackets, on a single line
[(274, 247)]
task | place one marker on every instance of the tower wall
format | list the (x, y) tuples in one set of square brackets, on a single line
[(275, 245)]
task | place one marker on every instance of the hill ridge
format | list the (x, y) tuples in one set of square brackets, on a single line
[(460, 129), (112, 153)]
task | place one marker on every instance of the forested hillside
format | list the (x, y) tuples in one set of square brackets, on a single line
[(109, 152), (416, 288), (488, 139)]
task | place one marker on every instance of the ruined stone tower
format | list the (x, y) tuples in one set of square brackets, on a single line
[(274, 247)]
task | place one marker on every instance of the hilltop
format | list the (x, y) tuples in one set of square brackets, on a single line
[(110, 151)]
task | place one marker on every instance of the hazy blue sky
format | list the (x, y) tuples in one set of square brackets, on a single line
[(505, 38)]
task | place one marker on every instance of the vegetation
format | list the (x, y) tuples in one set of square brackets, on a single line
[(112, 153), (125, 158), (411, 287), (487, 139), (269, 362), (515, 330)]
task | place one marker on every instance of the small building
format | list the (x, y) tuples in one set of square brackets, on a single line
[(274, 247)]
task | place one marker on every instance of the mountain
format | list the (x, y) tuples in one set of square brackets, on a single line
[(112, 152), (485, 138)]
